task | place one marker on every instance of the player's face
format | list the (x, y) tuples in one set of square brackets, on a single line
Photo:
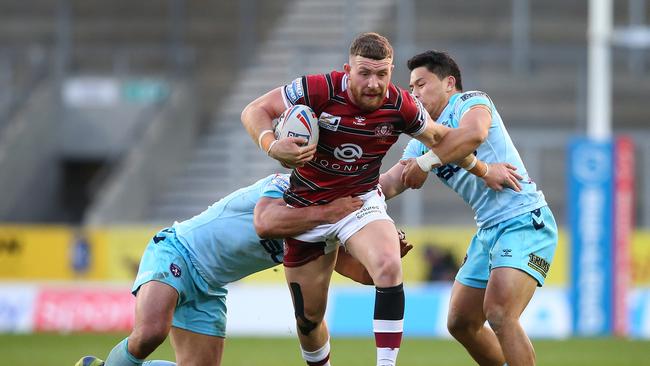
[(430, 90), (368, 80)]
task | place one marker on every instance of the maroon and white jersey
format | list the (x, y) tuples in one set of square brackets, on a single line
[(352, 142)]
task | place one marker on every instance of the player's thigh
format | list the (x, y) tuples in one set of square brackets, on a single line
[(309, 284), (508, 293), (194, 349), (375, 244), (465, 306), (154, 306)]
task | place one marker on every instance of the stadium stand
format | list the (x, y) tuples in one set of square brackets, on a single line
[(208, 52)]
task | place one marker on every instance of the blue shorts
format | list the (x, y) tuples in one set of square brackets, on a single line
[(526, 242), (199, 309)]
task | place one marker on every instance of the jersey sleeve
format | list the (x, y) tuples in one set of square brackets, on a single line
[(310, 90), (276, 187), (414, 149), (414, 114), (469, 100)]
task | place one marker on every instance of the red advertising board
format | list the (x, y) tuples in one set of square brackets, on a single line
[(623, 225), (84, 309)]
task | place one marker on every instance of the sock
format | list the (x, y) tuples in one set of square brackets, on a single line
[(120, 356), (388, 323), (320, 357)]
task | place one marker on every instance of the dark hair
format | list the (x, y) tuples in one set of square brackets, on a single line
[(371, 45), (438, 63)]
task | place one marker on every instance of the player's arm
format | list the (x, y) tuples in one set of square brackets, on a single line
[(391, 181), (462, 141), (274, 219), (433, 136), (472, 131), (258, 118), (351, 268)]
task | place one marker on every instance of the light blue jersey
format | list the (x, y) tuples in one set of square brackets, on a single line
[(199, 256), (490, 207), (221, 241)]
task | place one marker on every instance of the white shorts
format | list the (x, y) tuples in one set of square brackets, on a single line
[(373, 209)]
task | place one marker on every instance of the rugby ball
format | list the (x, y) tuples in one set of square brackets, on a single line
[(298, 121)]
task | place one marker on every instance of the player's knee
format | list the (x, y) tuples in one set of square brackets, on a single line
[(387, 271), (498, 317), (460, 325)]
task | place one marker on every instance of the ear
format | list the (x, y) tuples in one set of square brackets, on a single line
[(451, 83), (347, 68)]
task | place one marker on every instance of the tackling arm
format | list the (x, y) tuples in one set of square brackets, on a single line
[(463, 141), (274, 219), (434, 136)]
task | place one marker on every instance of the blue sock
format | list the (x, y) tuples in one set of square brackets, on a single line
[(120, 356)]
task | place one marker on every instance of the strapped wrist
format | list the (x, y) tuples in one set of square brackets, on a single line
[(487, 170), (428, 161), (471, 165), (268, 151)]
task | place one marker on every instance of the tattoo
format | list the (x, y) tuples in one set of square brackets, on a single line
[(304, 325)]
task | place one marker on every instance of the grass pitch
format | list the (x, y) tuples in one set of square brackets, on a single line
[(65, 350)]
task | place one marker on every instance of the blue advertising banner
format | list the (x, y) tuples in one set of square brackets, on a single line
[(590, 220)]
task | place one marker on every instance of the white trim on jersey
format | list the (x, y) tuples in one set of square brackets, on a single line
[(287, 104)]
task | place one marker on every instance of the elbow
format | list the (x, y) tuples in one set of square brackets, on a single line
[(246, 112), (480, 136), (262, 229)]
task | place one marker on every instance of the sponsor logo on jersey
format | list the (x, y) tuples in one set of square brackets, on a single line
[(329, 122), (175, 270), (468, 95), (384, 129), (348, 153), (359, 120), (294, 90), (345, 168), (538, 264)]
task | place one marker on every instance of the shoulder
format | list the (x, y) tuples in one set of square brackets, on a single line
[(276, 185), (474, 96)]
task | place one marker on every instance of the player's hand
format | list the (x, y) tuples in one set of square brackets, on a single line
[(412, 176), (501, 176), (341, 207), (292, 152), (404, 246)]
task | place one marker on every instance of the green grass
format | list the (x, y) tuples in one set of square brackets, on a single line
[(64, 350)]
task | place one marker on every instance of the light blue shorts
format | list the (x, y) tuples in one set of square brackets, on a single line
[(199, 309), (526, 242)]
